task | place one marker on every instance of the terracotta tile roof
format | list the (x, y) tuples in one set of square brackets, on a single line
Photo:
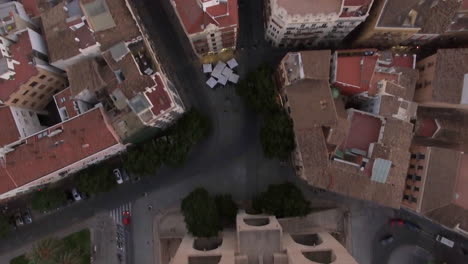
[(364, 130), (354, 73), (81, 137), (306, 7), (125, 29), (451, 66), (316, 64), (65, 99), (195, 20), (439, 185), (10, 131), (31, 7), (20, 51), (159, 98), (60, 38), (85, 75), (450, 216)]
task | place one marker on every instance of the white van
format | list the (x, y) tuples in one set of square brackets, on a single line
[(445, 241)]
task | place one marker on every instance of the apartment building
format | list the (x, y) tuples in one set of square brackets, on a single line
[(210, 25), (77, 30), (342, 144), (14, 19), (261, 239), (27, 80), (53, 153), (311, 23), (133, 93), (443, 79), (407, 22), (17, 123)]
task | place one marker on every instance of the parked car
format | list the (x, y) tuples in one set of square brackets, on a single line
[(27, 216), (126, 217), (387, 240), (76, 194), (445, 241), (18, 219), (118, 176), (412, 226)]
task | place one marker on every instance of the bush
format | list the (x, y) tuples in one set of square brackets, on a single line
[(96, 179), (200, 213), (258, 90), (282, 200), (227, 209), (20, 260), (47, 199)]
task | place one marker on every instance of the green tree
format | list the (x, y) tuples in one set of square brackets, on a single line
[(282, 200), (96, 179), (277, 135), (200, 213), (258, 90), (46, 251), (48, 199), (69, 257), (20, 260), (5, 226), (227, 209), (143, 159)]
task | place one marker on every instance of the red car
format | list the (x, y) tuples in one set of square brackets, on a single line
[(397, 222), (126, 217)]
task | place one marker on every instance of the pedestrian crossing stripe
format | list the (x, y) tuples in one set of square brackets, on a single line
[(117, 213)]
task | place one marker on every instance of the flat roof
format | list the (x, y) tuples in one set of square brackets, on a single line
[(10, 131), (306, 7)]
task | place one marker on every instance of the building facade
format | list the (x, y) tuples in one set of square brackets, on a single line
[(312, 23), (261, 239), (210, 25)]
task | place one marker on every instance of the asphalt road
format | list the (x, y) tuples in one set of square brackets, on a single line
[(230, 160)]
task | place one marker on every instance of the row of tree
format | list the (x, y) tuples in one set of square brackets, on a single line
[(206, 215), (260, 94), (171, 149)]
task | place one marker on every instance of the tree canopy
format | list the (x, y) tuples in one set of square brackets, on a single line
[(200, 213), (277, 135), (282, 200), (227, 209), (5, 226), (47, 199), (96, 179), (258, 90)]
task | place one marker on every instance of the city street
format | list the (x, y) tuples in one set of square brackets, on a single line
[(229, 161)]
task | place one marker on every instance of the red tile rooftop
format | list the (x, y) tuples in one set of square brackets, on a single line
[(461, 185), (10, 132), (81, 137), (354, 73), (20, 51), (63, 99), (31, 7), (364, 5), (195, 20), (427, 128), (403, 61), (379, 76), (160, 98), (364, 130), (218, 10), (356, 2)]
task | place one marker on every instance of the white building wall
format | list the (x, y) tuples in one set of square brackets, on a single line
[(37, 42), (61, 173), (27, 121)]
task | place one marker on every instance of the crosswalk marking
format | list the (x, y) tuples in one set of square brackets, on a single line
[(116, 214)]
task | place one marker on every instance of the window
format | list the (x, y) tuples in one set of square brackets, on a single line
[(50, 79), (420, 167), (430, 64), (33, 104), (419, 86), (42, 77), (421, 156), (411, 166), (41, 96), (405, 197), (63, 99), (413, 156), (416, 189), (24, 102), (33, 94), (418, 178), (15, 101), (212, 35), (413, 199), (408, 187), (427, 83), (26, 92), (42, 86), (33, 84), (49, 89)]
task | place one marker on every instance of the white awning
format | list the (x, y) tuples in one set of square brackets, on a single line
[(211, 82), (218, 69), (222, 80), (232, 63), (207, 68), (234, 78), (227, 72)]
